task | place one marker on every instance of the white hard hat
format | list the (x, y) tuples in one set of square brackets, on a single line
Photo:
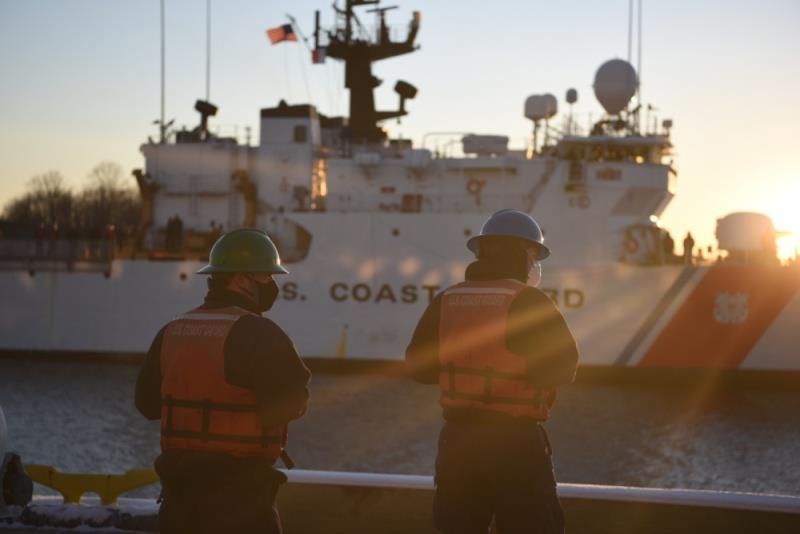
[(512, 223)]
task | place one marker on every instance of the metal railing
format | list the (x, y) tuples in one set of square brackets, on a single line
[(29, 253)]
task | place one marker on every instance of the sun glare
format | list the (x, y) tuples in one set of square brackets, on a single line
[(785, 214), (788, 246)]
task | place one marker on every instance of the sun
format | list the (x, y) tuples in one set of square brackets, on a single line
[(785, 213), (788, 246)]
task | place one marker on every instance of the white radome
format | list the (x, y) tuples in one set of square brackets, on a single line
[(615, 84), (538, 107), (744, 231)]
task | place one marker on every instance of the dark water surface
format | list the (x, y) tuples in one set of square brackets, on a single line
[(80, 417)]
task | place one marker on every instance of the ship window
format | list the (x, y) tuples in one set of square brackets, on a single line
[(300, 134), (411, 203)]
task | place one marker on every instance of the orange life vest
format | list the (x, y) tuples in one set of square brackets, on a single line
[(199, 409), (477, 369)]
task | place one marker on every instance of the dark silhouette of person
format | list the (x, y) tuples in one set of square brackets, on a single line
[(174, 231), (178, 233), (668, 246), (688, 247), (169, 230)]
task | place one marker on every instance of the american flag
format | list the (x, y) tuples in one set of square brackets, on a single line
[(281, 33)]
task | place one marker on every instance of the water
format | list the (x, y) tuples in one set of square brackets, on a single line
[(80, 417)]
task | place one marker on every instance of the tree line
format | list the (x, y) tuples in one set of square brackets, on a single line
[(107, 202)]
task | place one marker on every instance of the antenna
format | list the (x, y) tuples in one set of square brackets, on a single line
[(297, 29), (316, 30), (162, 127), (208, 50), (639, 60), (630, 28), (571, 98), (639, 54)]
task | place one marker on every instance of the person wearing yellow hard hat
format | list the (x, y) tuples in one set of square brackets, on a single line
[(225, 383), (498, 348)]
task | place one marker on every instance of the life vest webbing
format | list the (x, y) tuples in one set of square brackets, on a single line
[(487, 397), (206, 405)]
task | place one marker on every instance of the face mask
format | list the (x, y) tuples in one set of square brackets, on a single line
[(535, 274), (267, 294)]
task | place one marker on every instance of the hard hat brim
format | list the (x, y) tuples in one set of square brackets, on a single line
[(210, 269), (542, 251)]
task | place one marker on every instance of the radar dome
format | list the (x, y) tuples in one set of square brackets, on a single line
[(745, 231), (552, 104), (572, 96), (615, 84), (538, 107)]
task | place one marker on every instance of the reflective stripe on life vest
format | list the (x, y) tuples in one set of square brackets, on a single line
[(205, 435), (200, 410), (477, 369)]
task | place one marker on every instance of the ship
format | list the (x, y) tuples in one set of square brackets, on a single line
[(371, 228)]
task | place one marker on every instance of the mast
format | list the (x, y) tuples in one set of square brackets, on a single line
[(208, 50), (630, 28), (161, 126), (639, 59), (358, 52)]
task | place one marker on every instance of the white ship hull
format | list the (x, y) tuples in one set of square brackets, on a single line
[(367, 278)]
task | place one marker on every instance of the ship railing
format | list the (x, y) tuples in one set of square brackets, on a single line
[(581, 124), (398, 33), (243, 135), (56, 254), (444, 144), (358, 502), (449, 145)]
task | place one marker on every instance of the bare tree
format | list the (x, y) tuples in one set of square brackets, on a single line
[(108, 176), (49, 184), (48, 202), (105, 200)]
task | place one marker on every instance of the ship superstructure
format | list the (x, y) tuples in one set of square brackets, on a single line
[(372, 227), (608, 183)]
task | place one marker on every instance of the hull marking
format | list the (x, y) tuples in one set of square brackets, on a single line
[(724, 317), (649, 323)]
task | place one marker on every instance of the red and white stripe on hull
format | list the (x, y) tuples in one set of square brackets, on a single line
[(779, 347), (723, 317)]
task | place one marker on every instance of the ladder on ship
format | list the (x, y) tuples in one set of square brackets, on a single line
[(533, 195)]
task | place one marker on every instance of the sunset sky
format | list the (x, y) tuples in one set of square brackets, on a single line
[(80, 82)]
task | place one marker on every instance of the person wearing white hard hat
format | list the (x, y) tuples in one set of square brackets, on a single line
[(498, 348)]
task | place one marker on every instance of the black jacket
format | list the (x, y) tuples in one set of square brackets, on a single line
[(259, 356), (537, 332)]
